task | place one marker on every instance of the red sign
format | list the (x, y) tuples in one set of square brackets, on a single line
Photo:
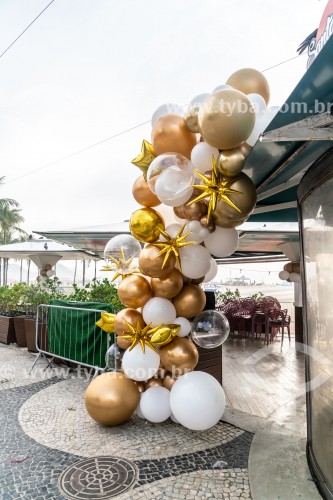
[(325, 30)]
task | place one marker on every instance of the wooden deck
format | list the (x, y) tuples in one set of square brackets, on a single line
[(259, 379)]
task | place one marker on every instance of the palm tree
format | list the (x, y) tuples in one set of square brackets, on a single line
[(10, 232), (10, 219)]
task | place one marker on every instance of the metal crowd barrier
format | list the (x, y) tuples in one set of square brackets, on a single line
[(64, 335)]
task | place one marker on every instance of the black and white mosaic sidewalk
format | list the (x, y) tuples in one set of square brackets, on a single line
[(50, 448)]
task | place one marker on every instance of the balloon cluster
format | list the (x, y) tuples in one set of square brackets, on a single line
[(191, 171), (46, 272), (291, 272)]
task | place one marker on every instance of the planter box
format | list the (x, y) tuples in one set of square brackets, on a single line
[(30, 332), (210, 361), (21, 339), (7, 331)]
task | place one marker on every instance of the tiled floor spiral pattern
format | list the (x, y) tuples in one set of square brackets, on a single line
[(46, 438)]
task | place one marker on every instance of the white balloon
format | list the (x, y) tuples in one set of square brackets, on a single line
[(185, 326), (166, 109), (222, 87), (222, 242), (173, 418), (201, 156), (138, 411), (169, 215), (197, 400), (198, 233), (155, 404), (195, 261), (172, 230), (212, 271), (199, 99), (258, 102), (139, 365), (159, 311), (263, 119), (284, 275), (50, 273), (295, 277)]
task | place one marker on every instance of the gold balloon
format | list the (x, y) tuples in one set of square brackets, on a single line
[(245, 149), (245, 200), (179, 211), (168, 381), (250, 81), (197, 281), (154, 382), (227, 223), (168, 287), (141, 386), (296, 267), (111, 398), (164, 334), (144, 159), (179, 356), (143, 194), (132, 316), (230, 162), (226, 119), (288, 267), (195, 211), (189, 302), (134, 291), (170, 134), (123, 343), (145, 225), (151, 263), (191, 118)]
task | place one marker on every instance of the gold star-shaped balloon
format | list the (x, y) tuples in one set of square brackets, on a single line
[(215, 190), (172, 245), (138, 335), (121, 266), (106, 323), (165, 334), (144, 159)]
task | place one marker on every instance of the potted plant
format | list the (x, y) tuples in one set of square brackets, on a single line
[(42, 292), (19, 293), (7, 332)]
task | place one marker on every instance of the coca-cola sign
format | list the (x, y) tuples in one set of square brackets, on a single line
[(325, 30)]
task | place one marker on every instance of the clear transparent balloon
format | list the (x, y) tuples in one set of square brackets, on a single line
[(210, 329), (176, 179), (113, 358), (130, 246)]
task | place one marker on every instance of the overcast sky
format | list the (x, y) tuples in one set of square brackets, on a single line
[(89, 69)]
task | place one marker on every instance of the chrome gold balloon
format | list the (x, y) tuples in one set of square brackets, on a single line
[(170, 134), (111, 398), (134, 291), (167, 287), (208, 224), (143, 194), (230, 162), (189, 302), (151, 262), (125, 316), (180, 356), (141, 386), (250, 81), (154, 382), (245, 199), (168, 381), (226, 119), (146, 224)]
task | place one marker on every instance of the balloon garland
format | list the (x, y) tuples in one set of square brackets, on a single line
[(193, 194)]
